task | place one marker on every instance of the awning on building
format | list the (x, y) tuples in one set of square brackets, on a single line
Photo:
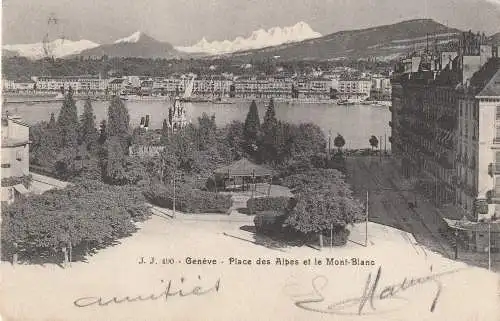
[(21, 189), (481, 227), (246, 168)]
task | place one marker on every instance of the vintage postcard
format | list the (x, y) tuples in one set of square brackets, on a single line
[(250, 160)]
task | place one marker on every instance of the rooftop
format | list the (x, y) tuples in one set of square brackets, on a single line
[(486, 82)]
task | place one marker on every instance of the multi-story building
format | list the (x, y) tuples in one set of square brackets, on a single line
[(8, 85), (18, 85), (14, 155), (381, 88), (118, 85), (15, 147), (280, 86), (354, 88), (478, 140), (80, 84), (444, 125), (215, 85)]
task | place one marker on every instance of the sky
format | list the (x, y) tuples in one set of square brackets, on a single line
[(184, 22)]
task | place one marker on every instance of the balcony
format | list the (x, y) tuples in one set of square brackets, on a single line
[(493, 196), (494, 169)]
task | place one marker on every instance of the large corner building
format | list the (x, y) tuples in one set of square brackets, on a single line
[(446, 124)]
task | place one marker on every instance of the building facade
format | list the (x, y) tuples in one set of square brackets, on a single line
[(354, 88), (80, 84), (446, 126), (15, 147), (478, 143)]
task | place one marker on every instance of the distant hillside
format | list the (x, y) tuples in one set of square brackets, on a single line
[(137, 45), (383, 42)]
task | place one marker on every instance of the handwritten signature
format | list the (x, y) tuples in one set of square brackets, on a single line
[(168, 291), (372, 295)]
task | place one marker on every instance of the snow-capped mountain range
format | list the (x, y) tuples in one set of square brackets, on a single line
[(58, 48), (258, 39), (133, 38)]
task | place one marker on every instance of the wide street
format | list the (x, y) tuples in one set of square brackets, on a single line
[(389, 195)]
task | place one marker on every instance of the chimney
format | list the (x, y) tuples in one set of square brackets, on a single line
[(486, 52)]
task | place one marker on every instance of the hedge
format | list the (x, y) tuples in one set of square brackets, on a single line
[(11, 181), (84, 217), (277, 204), (340, 236), (188, 200), (269, 222)]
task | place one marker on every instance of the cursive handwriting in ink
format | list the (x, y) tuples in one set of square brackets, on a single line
[(167, 292), (372, 293)]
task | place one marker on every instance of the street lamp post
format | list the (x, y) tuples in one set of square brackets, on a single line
[(329, 146), (489, 245), (173, 203), (366, 221), (490, 220)]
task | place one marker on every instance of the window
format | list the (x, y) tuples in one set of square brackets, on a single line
[(498, 113), (5, 165), (19, 155)]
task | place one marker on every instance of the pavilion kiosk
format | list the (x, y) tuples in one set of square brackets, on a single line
[(244, 175)]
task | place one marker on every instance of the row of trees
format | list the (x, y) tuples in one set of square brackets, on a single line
[(17, 67), (73, 147), (277, 142)]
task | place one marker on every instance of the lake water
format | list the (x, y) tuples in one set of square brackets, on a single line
[(355, 122)]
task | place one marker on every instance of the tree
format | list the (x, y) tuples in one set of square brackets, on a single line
[(52, 122), (78, 217), (269, 141), (373, 141), (44, 144), (324, 202), (88, 132), (119, 169), (339, 141), (118, 118), (251, 130), (233, 139), (164, 128), (307, 139), (67, 122), (103, 133), (206, 131), (117, 126)]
